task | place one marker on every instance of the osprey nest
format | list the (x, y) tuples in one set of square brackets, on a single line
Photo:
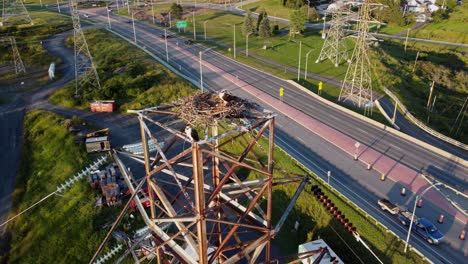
[(204, 109)]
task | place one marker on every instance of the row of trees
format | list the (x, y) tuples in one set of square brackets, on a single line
[(261, 27)]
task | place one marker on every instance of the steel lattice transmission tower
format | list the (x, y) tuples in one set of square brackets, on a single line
[(85, 71), (14, 9), (334, 47), (200, 188), (19, 66), (357, 84)]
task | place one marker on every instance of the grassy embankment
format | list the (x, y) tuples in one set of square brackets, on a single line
[(35, 58), (316, 221), (63, 229), (127, 75)]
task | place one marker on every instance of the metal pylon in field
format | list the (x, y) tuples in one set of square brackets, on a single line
[(14, 9), (85, 70), (19, 66), (334, 47), (357, 84)]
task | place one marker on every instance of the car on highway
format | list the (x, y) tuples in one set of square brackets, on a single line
[(189, 42), (86, 15), (386, 205), (422, 227), (165, 36)]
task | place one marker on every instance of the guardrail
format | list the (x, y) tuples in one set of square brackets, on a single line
[(422, 125)]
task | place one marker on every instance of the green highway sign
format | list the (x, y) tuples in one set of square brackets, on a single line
[(181, 24)]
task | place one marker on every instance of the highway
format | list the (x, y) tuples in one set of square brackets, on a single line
[(316, 153)]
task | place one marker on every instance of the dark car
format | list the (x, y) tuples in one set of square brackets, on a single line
[(189, 42), (167, 36)]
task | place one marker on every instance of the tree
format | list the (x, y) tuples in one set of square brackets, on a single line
[(248, 27), (177, 10), (261, 15), (297, 18), (314, 15), (264, 30)]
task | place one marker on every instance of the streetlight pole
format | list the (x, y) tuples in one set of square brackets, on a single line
[(299, 64), (201, 71), (58, 6), (128, 7), (117, 2), (307, 60), (204, 27), (152, 11), (247, 44), (165, 40), (170, 21), (134, 31), (323, 31), (194, 30), (234, 41), (308, 10), (414, 211), (108, 17)]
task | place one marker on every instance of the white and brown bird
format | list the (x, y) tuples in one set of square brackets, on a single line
[(192, 134), (226, 96)]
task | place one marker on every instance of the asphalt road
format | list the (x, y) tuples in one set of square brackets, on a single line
[(319, 155), (350, 177)]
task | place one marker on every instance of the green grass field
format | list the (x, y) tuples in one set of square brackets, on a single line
[(132, 79), (61, 224), (272, 7)]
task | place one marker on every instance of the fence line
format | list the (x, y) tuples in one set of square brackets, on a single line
[(422, 125)]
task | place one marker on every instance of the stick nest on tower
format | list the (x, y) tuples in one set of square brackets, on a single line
[(204, 109)]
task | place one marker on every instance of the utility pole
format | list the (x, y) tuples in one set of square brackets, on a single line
[(299, 64), (415, 60), (458, 116), (307, 63), (430, 96), (406, 39), (247, 44)]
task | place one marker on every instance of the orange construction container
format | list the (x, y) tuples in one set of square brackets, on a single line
[(102, 106)]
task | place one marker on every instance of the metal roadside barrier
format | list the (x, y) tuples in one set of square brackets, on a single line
[(422, 125)]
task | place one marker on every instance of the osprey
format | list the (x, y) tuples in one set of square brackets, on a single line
[(191, 134), (226, 97)]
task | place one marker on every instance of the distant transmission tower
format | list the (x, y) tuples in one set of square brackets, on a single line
[(19, 66), (357, 85), (334, 48), (85, 71), (14, 9)]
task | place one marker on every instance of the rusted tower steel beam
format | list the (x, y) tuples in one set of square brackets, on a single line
[(218, 214)]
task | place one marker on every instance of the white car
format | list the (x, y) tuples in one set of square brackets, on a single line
[(86, 15)]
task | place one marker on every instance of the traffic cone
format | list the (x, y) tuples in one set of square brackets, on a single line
[(462, 234), (441, 219), (419, 204), (403, 191)]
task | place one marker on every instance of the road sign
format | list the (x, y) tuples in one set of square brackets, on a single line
[(281, 91), (181, 24)]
